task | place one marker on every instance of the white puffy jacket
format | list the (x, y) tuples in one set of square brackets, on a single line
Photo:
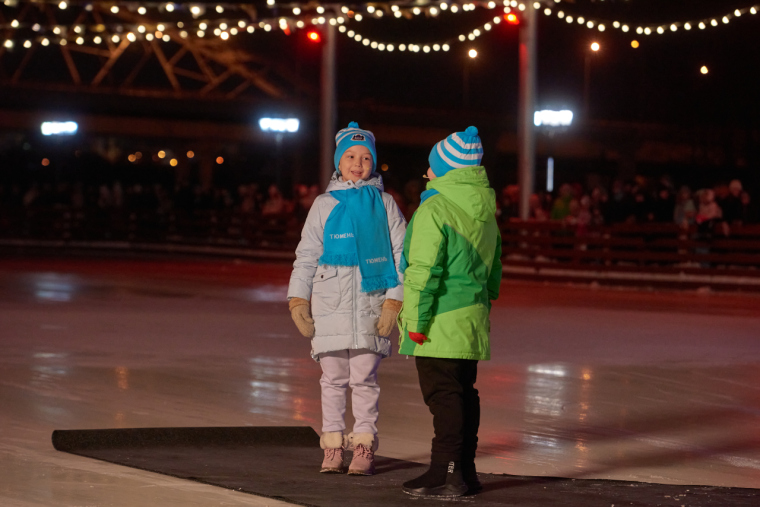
[(344, 316)]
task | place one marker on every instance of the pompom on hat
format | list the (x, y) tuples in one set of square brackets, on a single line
[(460, 149), (353, 136)]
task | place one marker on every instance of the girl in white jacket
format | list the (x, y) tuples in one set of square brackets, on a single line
[(345, 293)]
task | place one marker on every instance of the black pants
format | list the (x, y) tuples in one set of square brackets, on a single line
[(448, 388)]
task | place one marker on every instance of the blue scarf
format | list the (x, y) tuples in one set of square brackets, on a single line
[(427, 194), (356, 233)]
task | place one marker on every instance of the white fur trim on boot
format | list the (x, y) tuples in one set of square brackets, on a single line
[(366, 439), (332, 440)]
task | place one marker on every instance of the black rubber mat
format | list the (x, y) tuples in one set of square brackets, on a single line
[(283, 463)]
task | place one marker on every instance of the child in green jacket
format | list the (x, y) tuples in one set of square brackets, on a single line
[(452, 261)]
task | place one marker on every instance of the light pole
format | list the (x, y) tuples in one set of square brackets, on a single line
[(526, 134), (328, 108), (587, 78), (551, 123), (280, 127), (471, 55)]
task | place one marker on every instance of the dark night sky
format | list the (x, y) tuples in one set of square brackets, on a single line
[(658, 82)]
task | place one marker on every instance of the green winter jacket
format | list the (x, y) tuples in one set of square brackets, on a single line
[(452, 254)]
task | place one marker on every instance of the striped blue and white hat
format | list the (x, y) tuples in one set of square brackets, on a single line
[(352, 136), (460, 149)]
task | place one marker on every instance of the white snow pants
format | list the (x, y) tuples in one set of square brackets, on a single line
[(357, 369)]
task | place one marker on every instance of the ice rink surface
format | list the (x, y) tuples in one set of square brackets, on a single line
[(584, 382)]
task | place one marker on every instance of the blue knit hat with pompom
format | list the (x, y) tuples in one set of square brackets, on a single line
[(460, 149), (352, 136)]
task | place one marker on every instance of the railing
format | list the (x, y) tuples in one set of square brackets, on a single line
[(647, 254), (225, 228), (651, 254)]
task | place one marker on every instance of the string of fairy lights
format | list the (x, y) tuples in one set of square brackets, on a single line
[(122, 22), (648, 29)]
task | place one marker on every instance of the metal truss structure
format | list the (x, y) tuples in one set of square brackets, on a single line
[(183, 67)]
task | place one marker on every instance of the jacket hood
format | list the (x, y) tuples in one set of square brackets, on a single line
[(337, 182), (469, 189)]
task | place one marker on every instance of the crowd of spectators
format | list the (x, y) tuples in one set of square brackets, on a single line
[(639, 201), (636, 202), (156, 198)]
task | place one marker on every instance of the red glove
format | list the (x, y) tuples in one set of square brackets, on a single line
[(417, 337)]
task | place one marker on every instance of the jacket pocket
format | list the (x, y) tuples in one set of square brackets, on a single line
[(376, 300), (325, 292)]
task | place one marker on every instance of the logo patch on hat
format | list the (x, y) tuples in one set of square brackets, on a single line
[(358, 137)]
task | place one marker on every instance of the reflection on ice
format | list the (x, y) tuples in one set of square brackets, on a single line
[(556, 370), (49, 355), (122, 377), (273, 392), (560, 400), (51, 287), (267, 294), (541, 440), (48, 367), (264, 386), (545, 389)]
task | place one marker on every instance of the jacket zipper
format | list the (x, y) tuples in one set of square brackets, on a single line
[(353, 303)]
